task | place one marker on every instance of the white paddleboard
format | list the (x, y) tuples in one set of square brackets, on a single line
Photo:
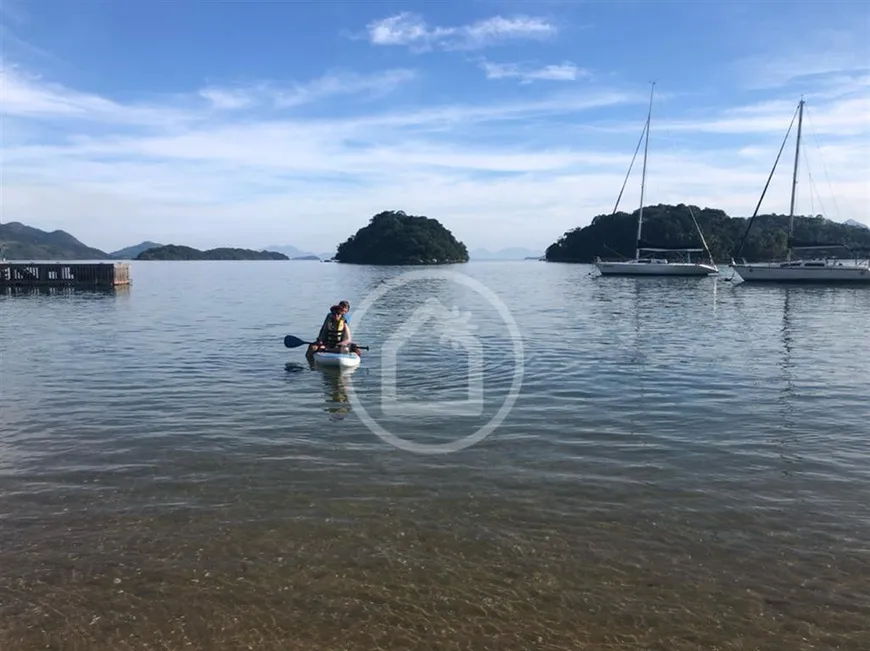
[(344, 360)]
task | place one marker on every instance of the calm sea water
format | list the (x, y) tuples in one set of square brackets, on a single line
[(686, 464)]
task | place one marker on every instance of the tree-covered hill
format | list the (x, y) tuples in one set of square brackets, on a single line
[(395, 238), (130, 252), (613, 236), (21, 242), (175, 252)]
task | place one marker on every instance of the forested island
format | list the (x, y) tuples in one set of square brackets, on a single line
[(175, 252), (614, 236), (395, 238), (130, 252)]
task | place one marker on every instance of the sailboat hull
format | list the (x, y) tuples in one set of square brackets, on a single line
[(633, 268), (783, 272)]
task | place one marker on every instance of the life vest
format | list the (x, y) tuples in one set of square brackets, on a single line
[(334, 330)]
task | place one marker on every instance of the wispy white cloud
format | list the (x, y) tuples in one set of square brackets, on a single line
[(852, 83), (565, 71), (411, 30), (13, 11), (813, 57), (334, 84), (329, 85), (846, 117), (14, 20), (26, 94), (11, 42), (229, 99), (496, 173), (401, 29)]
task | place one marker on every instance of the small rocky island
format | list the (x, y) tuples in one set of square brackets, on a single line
[(396, 238), (175, 252)]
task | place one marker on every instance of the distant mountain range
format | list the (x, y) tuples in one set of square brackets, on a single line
[(21, 242), (295, 253), (514, 253)]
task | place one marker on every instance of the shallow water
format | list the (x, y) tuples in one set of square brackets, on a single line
[(685, 465)]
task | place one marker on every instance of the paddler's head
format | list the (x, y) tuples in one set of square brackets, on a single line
[(345, 307)]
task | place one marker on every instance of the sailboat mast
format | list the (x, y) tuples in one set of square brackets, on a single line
[(643, 175), (797, 150)]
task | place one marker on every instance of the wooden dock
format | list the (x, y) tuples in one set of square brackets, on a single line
[(59, 274)]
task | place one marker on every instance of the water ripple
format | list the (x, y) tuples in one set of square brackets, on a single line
[(692, 453)]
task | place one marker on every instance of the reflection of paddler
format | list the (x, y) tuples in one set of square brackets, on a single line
[(336, 382)]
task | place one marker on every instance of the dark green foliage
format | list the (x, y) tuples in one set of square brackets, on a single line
[(174, 252), (20, 242), (613, 236), (394, 238), (130, 252)]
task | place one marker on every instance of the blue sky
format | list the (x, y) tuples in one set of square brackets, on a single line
[(254, 123)]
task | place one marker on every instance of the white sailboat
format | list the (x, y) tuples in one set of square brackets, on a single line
[(818, 268), (648, 265)]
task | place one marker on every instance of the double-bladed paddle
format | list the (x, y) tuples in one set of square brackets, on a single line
[(294, 342)]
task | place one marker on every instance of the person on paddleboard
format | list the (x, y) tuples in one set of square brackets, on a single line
[(334, 335)]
